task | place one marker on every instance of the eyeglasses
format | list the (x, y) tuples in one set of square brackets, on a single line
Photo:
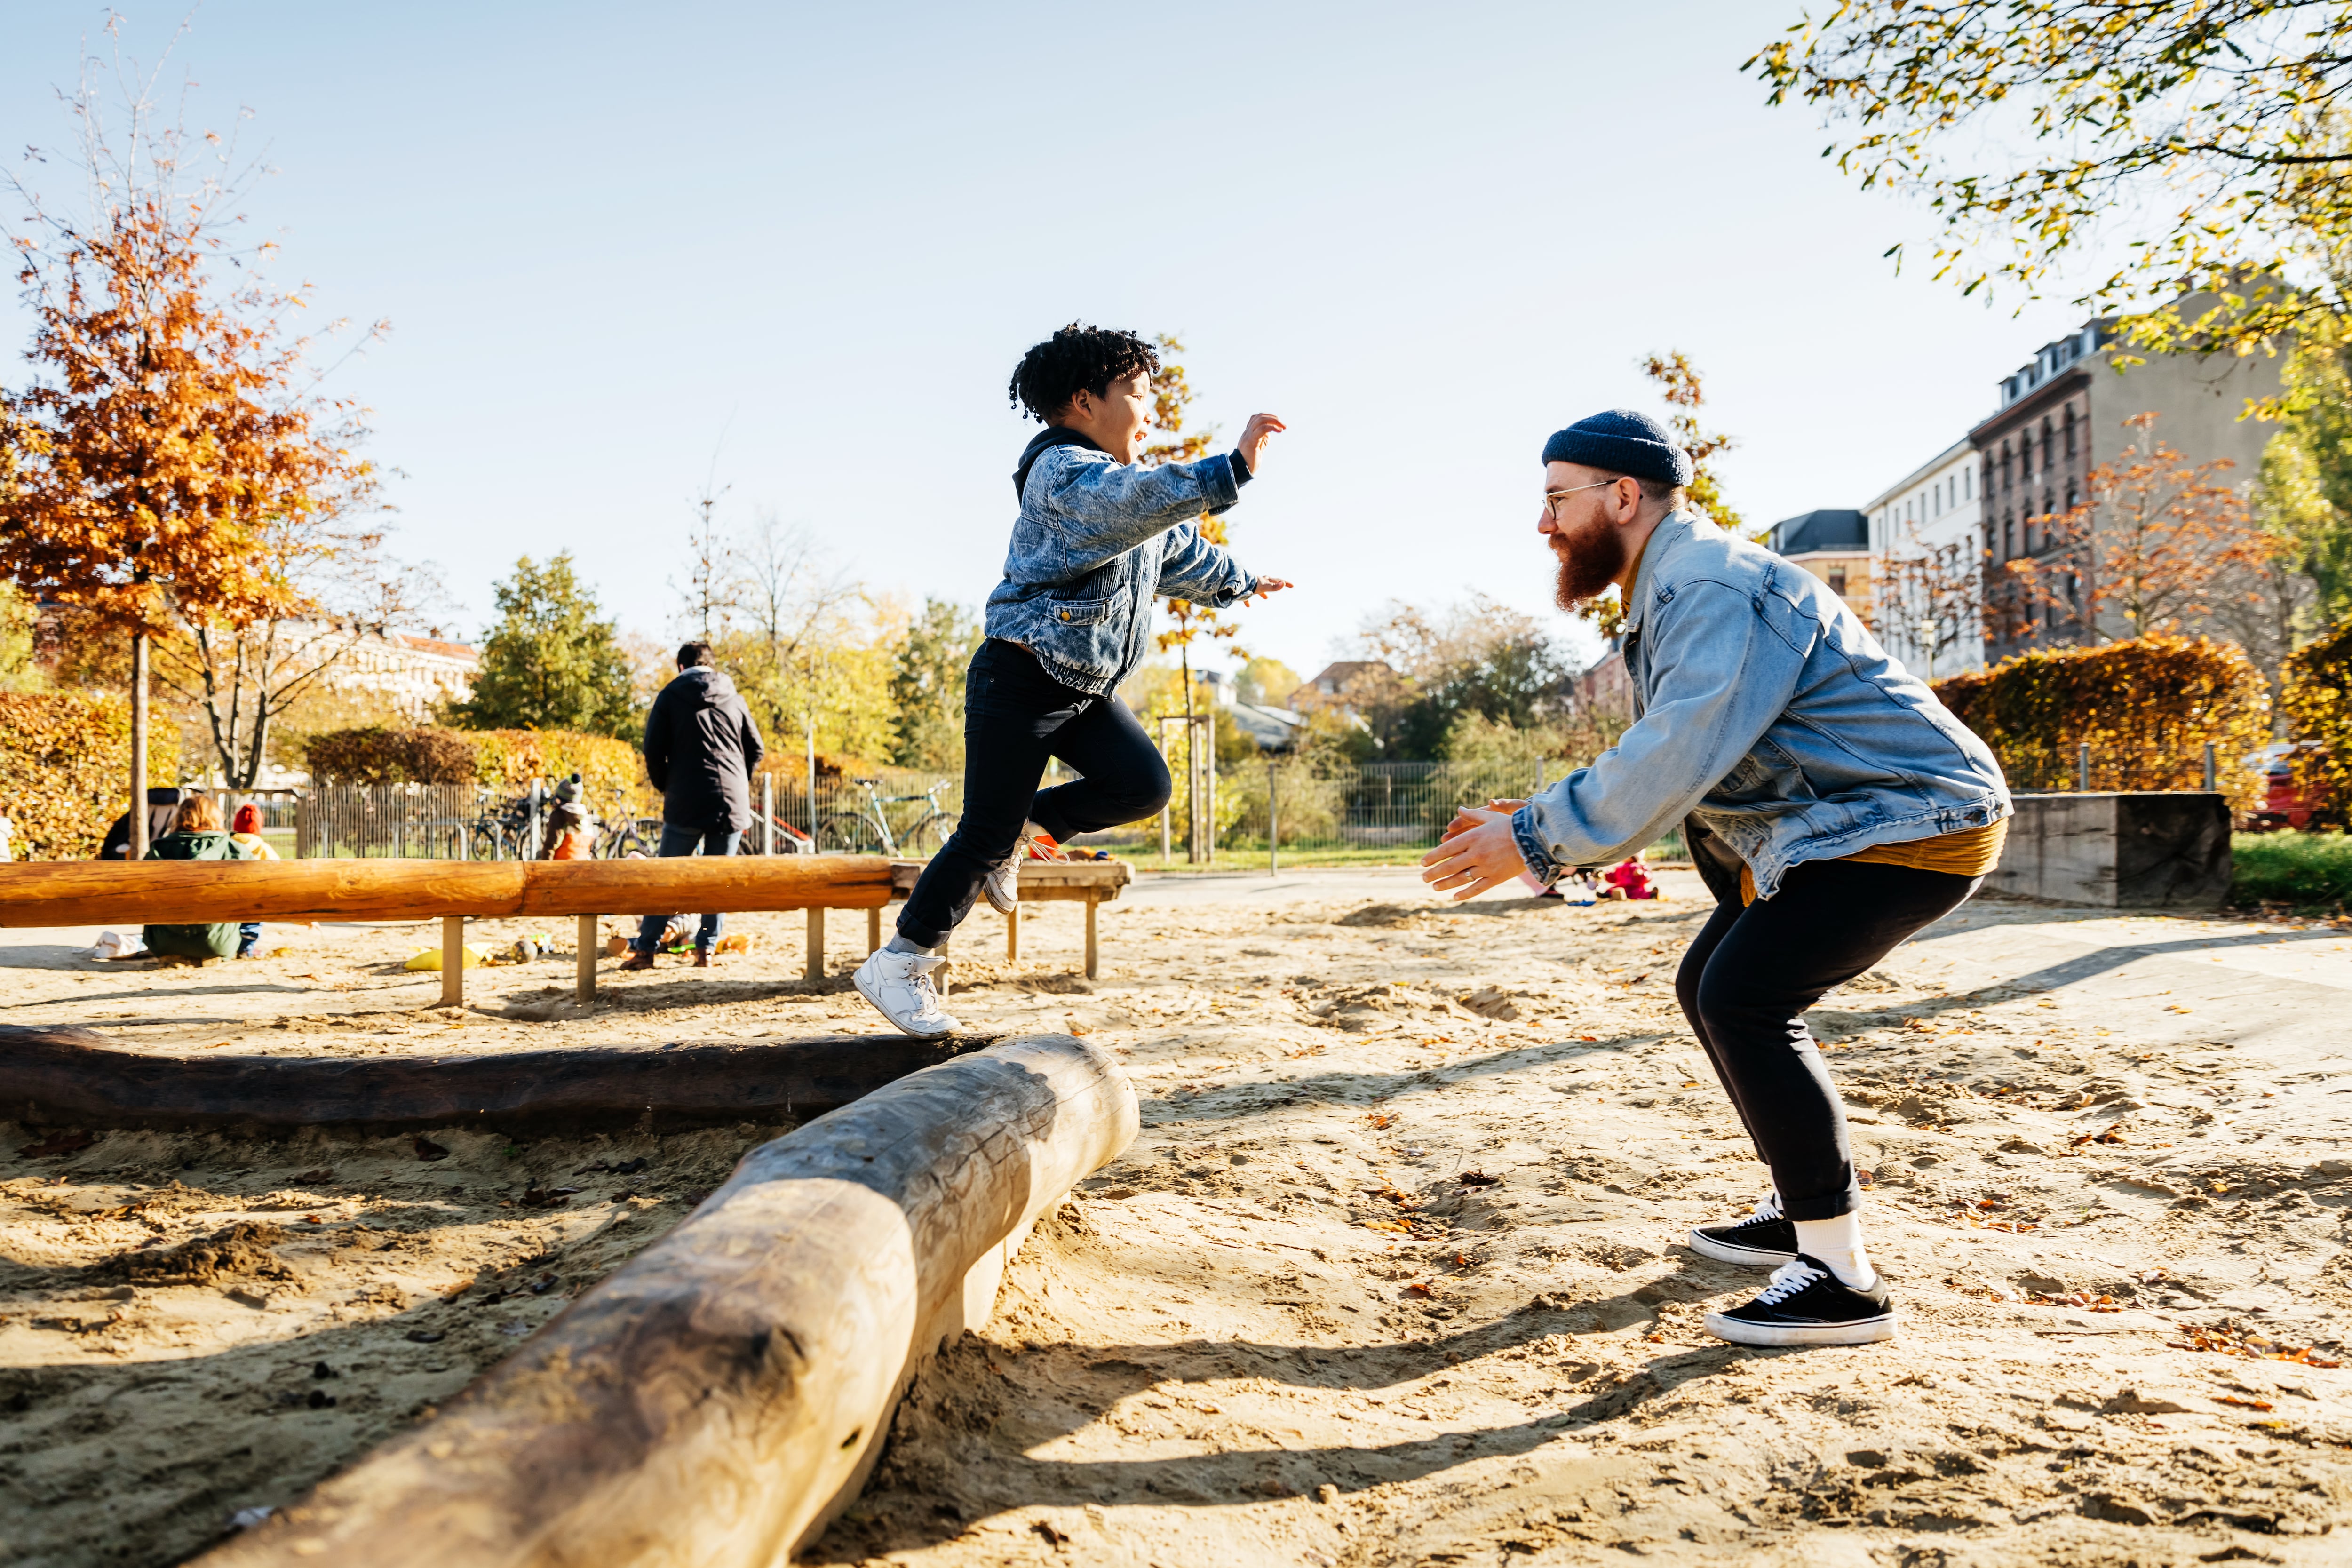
[(1553, 498)]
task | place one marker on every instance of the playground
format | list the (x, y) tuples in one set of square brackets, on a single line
[(1392, 1274)]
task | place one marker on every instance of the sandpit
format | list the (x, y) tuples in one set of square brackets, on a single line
[(1393, 1274)]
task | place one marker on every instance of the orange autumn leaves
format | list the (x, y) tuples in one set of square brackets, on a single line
[(168, 458)]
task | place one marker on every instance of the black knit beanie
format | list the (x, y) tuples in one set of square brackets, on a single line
[(1623, 442)]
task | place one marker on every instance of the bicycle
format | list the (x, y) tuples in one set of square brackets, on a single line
[(867, 831)]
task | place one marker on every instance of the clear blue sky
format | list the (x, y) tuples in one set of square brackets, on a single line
[(1424, 236)]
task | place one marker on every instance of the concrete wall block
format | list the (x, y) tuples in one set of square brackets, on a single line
[(2142, 850)]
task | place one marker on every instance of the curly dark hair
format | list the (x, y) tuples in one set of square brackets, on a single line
[(1077, 358)]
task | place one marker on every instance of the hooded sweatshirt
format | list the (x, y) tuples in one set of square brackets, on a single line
[(700, 748)]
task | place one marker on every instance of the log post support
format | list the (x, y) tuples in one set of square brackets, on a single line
[(874, 931), (815, 968), (585, 990), (452, 961), (719, 1398), (1092, 904), (1013, 934)]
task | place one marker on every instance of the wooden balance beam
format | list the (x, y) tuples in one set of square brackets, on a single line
[(726, 1392), (207, 892), (1090, 882)]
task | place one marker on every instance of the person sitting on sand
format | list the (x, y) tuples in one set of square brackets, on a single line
[(245, 828), (1832, 804), (195, 835)]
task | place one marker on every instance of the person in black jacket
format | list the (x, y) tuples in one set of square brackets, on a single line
[(700, 748)]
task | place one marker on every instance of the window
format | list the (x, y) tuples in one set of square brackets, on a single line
[(1837, 581), (2074, 495), (2070, 430), (2026, 455), (2008, 535), (1969, 478), (2049, 451)]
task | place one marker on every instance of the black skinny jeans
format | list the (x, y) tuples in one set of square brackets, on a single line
[(1016, 716), (1749, 978)]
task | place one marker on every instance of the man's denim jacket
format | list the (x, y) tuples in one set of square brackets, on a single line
[(1764, 707), (1095, 542)]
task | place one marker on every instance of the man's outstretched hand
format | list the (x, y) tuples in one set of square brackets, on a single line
[(1478, 853)]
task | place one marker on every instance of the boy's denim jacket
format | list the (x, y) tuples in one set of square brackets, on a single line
[(1095, 542), (1764, 707)]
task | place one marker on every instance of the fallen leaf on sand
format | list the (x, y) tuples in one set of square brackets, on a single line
[(1379, 1119), (1397, 1225), (1477, 1179), (2244, 1403)]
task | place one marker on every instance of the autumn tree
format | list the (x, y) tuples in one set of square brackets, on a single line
[(1685, 396), (2155, 545), (1172, 404), (2155, 150), (244, 678), (552, 661), (809, 647), (1477, 659), (927, 687), (168, 464), (1926, 603)]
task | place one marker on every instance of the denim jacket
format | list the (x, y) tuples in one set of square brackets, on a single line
[(1765, 708), (1097, 541)]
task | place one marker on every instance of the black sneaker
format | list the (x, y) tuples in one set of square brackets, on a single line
[(1808, 1305), (1762, 1240)]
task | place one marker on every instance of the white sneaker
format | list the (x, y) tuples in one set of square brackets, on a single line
[(1002, 883), (900, 986)]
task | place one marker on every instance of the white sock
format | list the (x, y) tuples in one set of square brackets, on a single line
[(1838, 1243), (900, 945)]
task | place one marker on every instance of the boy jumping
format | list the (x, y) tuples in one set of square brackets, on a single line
[(1098, 538), (1832, 804)]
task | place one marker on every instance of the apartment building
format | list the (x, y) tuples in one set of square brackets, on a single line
[(2065, 412), (1925, 540)]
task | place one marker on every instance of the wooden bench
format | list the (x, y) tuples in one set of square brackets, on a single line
[(1090, 882), (208, 893)]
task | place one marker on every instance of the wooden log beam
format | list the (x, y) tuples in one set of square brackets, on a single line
[(187, 892), (78, 1078), (720, 1397), (200, 892), (706, 884)]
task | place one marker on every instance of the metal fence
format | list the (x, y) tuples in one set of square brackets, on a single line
[(896, 811), (1379, 808), (405, 821)]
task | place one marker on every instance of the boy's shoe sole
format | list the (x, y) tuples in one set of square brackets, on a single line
[(858, 980), (1725, 1245), (1860, 1332)]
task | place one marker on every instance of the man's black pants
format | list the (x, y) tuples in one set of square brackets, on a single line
[(1016, 716), (1749, 978)]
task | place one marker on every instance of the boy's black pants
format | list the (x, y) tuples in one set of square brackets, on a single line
[(1016, 716), (1749, 978)]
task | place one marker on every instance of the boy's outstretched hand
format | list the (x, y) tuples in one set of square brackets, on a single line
[(1267, 586), (1478, 853), (1261, 428)]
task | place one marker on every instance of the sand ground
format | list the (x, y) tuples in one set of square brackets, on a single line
[(1394, 1274)]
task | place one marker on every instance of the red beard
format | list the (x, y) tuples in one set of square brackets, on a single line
[(1589, 560)]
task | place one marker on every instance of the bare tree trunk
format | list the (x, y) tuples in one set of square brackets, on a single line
[(138, 849), (1191, 760)]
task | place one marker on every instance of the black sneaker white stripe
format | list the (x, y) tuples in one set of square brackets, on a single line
[(1763, 1240), (1806, 1304)]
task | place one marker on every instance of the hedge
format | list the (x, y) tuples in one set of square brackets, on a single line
[(2146, 706), (504, 759), (2318, 710), (65, 768)]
